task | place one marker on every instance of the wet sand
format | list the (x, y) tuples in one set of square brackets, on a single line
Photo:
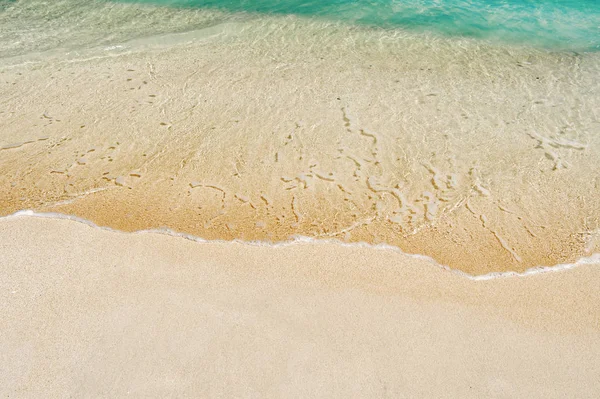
[(90, 312), (484, 157)]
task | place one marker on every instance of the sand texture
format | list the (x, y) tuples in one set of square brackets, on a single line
[(262, 181), (94, 313), (483, 157)]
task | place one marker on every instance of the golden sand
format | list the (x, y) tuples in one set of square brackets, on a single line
[(484, 158)]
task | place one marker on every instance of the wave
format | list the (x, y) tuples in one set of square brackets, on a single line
[(28, 26), (299, 240), (563, 24)]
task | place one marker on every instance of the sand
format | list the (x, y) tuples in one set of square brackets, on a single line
[(482, 156), (96, 313), (479, 157)]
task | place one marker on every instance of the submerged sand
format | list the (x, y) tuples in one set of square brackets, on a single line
[(482, 156), (90, 312)]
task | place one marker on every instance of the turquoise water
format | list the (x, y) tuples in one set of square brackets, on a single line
[(29, 26), (562, 24)]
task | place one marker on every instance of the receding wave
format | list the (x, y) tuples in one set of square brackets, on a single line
[(258, 127), (588, 260)]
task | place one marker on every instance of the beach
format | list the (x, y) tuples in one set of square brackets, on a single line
[(90, 312), (481, 156), (202, 201)]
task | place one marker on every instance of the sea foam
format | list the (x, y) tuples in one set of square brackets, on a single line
[(303, 240)]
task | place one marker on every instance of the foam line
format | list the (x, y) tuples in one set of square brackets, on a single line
[(592, 259)]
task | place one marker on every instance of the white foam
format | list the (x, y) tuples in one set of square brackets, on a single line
[(299, 240)]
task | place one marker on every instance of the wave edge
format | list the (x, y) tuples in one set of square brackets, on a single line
[(299, 240)]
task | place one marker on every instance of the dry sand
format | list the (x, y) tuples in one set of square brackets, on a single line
[(94, 313)]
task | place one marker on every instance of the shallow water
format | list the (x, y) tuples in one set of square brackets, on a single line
[(36, 25), (261, 126), (564, 24)]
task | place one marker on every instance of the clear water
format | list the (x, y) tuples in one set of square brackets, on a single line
[(362, 121), (38, 25), (564, 24)]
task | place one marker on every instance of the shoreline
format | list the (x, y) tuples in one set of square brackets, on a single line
[(287, 206), (593, 259), (481, 157)]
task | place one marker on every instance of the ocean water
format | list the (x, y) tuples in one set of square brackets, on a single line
[(564, 24), (37, 25)]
